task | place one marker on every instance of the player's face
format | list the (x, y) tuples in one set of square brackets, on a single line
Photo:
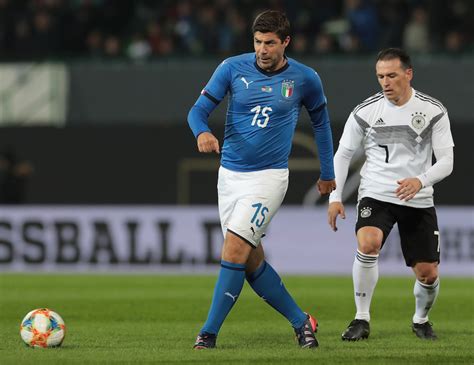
[(395, 80), (269, 50)]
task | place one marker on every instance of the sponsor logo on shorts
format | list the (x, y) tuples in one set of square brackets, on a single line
[(365, 212)]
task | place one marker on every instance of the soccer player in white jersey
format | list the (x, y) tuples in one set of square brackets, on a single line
[(266, 92), (399, 129)]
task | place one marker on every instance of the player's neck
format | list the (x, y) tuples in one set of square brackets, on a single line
[(281, 64), (404, 98)]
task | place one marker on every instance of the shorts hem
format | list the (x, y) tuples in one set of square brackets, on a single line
[(243, 238)]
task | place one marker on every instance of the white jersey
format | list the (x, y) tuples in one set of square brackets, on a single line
[(398, 143)]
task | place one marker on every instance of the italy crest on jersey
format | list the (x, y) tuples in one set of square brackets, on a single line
[(287, 87)]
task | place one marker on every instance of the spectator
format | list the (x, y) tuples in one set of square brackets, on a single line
[(138, 49), (416, 37), (58, 28), (364, 22), (112, 47), (14, 176)]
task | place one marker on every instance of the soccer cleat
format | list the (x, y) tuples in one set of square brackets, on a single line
[(424, 331), (205, 341), (305, 334), (314, 322), (358, 329)]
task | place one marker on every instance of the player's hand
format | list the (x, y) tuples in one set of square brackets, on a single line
[(335, 209), (408, 188), (207, 143), (326, 187)]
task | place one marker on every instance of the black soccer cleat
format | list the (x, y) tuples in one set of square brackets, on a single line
[(305, 334), (205, 341), (358, 329), (424, 331)]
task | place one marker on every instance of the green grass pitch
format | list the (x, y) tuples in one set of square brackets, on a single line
[(154, 319)]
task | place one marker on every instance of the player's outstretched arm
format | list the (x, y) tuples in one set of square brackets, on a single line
[(207, 143), (335, 209)]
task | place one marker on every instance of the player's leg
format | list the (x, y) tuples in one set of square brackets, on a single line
[(235, 253), (227, 289), (420, 245), (265, 281), (426, 291), (373, 225)]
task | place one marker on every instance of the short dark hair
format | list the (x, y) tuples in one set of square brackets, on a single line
[(395, 53), (272, 21)]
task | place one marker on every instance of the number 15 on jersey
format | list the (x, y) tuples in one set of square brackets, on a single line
[(264, 111)]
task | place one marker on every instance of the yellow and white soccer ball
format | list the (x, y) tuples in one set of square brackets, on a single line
[(42, 328)]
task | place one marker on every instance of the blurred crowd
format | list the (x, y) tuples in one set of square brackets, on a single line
[(144, 29)]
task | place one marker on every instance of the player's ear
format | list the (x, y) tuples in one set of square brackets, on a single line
[(409, 73), (286, 42)]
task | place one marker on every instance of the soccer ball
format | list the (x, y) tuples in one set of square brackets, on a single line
[(42, 328)]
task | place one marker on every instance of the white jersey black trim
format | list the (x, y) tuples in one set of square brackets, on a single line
[(424, 97), (368, 101), (361, 122), (433, 121), (402, 134)]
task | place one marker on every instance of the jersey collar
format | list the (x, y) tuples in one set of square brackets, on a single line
[(273, 73)]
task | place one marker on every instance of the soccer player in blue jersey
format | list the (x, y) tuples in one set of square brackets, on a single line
[(266, 92)]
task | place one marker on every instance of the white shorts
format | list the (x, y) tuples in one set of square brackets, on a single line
[(249, 200)]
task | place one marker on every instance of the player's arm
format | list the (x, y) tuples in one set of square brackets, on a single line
[(443, 151), (210, 97), (351, 138), (409, 187), (441, 169), (342, 161), (315, 103)]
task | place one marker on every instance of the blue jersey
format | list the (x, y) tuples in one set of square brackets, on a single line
[(262, 113)]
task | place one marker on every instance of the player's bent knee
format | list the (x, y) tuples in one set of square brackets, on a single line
[(369, 240), (426, 273)]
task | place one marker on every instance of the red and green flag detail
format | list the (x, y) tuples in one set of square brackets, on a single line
[(287, 88)]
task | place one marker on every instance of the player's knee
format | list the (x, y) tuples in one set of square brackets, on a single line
[(427, 279), (369, 240), (235, 250), (426, 273)]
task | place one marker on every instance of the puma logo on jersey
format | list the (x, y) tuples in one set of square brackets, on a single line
[(234, 297), (380, 122), (253, 231), (245, 82)]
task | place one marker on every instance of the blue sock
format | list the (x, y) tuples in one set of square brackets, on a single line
[(228, 287), (268, 285)]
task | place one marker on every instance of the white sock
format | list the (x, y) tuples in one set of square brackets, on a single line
[(425, 296), (365, 273)]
